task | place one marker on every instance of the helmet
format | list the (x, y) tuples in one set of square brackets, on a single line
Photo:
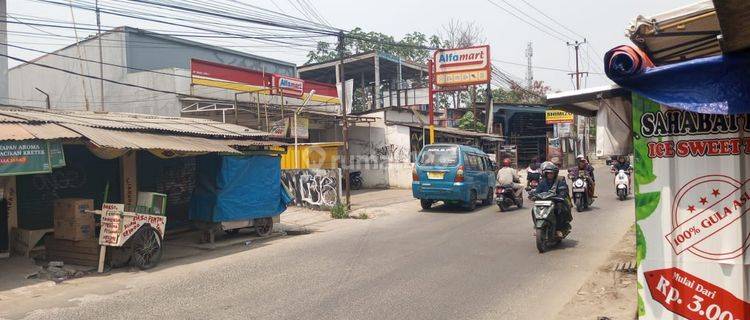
[(549, 167), (580, 157), (506, 162)]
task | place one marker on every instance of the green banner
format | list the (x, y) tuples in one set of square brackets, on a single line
[(56, 154), (24, 157)]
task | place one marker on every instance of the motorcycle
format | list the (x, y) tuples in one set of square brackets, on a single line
[(622, 181), (545, 217), (505, 197), (355, 178), (532, 179), (581, 197)]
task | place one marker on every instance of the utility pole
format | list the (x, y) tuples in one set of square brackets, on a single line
[(101, 56), (4, 95), (529, 71), (577, 45), (584, 135), (341, 47)]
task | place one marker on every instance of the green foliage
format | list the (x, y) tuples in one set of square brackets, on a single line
[(644, 168), (338, 211), (518, 94), (467, 122), (645, 204), (640, 244), (358, 41), (641, 305)]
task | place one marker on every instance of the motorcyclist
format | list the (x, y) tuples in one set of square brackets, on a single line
[(532, 173), (507, 175), (583, 165), (551, 182), (624, 165)]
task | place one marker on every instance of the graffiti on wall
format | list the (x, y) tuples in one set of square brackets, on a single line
[(368, 152), (314, 188)]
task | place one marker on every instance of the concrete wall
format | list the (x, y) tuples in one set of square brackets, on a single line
[(68, 91), (381, 152), (152, 52), (170, 60)]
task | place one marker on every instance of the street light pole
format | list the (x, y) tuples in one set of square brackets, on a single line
[(296, 144), (345, 118)]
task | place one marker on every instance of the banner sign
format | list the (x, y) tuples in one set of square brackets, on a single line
[(303, 125), (558, 116), (461, 67), (279, 128), (24, 157), (692, 195), (289, 85), (212, 74), (56, 155), (117, 226)]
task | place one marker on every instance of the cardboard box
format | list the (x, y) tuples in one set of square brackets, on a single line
[(71, 220)]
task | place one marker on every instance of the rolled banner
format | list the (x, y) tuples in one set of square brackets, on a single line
[(625, 61)]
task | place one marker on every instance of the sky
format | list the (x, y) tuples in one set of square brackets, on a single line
[(601, 22)]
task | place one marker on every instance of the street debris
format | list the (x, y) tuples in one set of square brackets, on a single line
[(57, 271)]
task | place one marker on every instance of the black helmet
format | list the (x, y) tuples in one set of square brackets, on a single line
[(548, 166)]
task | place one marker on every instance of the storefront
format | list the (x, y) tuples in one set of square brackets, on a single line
[(52, 159)]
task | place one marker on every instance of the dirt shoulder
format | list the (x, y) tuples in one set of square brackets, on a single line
[(607, 294)]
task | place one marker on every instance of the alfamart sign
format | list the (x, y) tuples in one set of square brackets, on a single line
[(692, 182), (461, 67)]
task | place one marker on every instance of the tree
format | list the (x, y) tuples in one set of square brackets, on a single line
[(413, 46), (467, 122), (518, 94)]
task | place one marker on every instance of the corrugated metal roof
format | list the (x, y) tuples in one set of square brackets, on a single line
[(119, 139), (13, 131), (49, 131), (252, 143), (129, 121)]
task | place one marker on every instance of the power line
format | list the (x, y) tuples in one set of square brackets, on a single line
[(526, 22), (553, 20)]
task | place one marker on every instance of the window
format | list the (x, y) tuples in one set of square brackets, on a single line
[(473, 162), (439, 156)]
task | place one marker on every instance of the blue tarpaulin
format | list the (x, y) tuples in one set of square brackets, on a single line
[(714, 85), (231, 188)]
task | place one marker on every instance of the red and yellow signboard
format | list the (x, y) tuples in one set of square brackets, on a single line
[(558, 117), (233, 78), (461, 67)]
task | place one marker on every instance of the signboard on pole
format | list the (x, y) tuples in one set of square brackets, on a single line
[(279, 128), (558, 116), (288, 85), (301, 131), (24, 157), (462, 67), (692, 196)]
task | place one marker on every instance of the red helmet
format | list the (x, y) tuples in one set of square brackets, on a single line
[(507, 162)]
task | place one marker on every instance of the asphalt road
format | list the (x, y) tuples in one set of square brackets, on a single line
[(404, 264)]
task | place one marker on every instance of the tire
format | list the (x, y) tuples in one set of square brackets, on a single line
[(490, 198), (426, 204), (622, 194), (541, 240), (146, 248), (502, 206), (356, 183), (472, 204), (263, 226), (519, 202), (579, 204)]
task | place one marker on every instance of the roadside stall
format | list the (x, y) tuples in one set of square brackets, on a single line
[(236, 192), (136, 173)]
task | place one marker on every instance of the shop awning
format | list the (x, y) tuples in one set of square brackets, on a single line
[(118, 139), (677, 35)]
